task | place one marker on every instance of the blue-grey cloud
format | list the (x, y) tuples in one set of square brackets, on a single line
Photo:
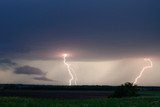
[(28, 70), (7, 64), (95, 29), (36, 72), (42, 78)]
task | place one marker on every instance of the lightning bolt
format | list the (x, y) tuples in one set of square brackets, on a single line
[(144, 68), (70, 70), (76, 79)]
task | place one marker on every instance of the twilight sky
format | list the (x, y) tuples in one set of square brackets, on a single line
[(107, 41)]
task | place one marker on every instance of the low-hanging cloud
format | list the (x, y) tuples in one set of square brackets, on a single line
[(28, 70), (6, 64), (42, 78), (36, 72)]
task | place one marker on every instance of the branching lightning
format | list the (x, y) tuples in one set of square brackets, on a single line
[(144, 68), (70, 70)]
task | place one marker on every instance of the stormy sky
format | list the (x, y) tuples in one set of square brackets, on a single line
[(101, 36)]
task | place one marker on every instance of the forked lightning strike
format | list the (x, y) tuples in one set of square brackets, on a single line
[(144, 68), (70, 70)]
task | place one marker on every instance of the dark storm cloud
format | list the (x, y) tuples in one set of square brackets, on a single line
[(92, 29), (42, 78), (36, 72), (28, 70), (7, 64)]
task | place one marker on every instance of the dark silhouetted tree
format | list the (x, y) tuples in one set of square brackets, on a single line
[(125, 90)]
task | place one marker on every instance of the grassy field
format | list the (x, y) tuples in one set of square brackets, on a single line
[(152, 93), (123, 102)]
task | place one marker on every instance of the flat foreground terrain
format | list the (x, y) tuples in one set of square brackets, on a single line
[(55, 94), (62, 94), (113, 102)]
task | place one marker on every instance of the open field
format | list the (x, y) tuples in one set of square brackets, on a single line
[(60, 92), (74, 96), (66, 92), (150, 93), (113, 102), (55, 94)]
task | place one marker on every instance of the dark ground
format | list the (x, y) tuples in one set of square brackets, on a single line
[(66, 92), (56, 94)]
